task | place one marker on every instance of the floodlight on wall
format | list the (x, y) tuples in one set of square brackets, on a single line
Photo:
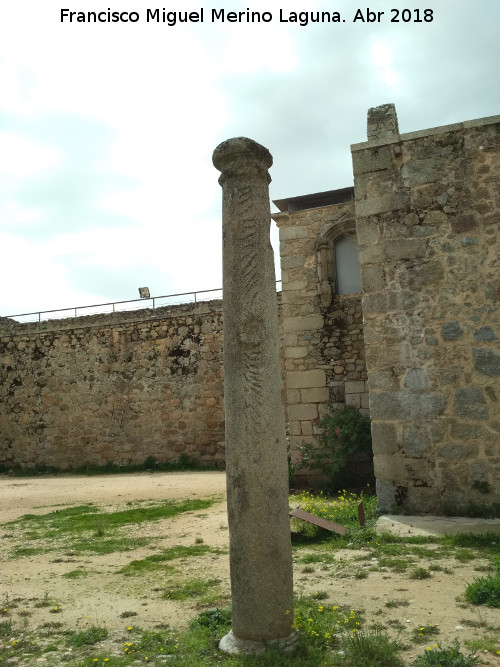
[(144, 292)]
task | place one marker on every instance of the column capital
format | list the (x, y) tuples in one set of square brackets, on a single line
[(239, 157)]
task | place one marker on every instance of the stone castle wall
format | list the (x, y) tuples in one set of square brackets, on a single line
[(118, 387), (428, 222)]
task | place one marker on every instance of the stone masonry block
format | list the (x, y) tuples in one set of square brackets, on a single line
[(469, 403), (405, 249), (305, 323), (389, 467), (306, 379), (303, 411), (355, 387), (371, 254), (486, 362), (372, 278), (404, 405), (315, 395), (293, 261), (293, 396), (385, 203), (368, 232), (384, 438), (307, 427), (354, 400), (295, 352), (292, 233)]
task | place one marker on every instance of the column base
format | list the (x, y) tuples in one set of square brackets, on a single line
[(233, 645)]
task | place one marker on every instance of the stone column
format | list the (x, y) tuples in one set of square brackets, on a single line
[(256, 458)]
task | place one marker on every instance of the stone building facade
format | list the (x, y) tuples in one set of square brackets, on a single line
[(322, 329), (427, 208)]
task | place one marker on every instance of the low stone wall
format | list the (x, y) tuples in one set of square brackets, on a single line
[(428, 215), (119, 387)]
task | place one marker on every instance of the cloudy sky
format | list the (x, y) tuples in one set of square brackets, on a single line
[(107, 129)]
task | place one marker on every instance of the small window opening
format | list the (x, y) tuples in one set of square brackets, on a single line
[(348, 270)]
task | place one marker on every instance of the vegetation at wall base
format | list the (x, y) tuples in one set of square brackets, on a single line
[(342, 435), (150, 464)]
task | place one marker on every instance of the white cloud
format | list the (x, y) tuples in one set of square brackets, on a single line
[(382, 54), (19, 156)]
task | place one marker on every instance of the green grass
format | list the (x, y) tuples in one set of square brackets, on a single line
[(90, 636), (191, 588), (156, 561), (75, 574), (71, 528), (89, 518)]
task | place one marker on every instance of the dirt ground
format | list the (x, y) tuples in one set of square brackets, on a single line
[(104, 596)]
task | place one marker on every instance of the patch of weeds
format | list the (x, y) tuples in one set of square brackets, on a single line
[(485, 590), (190, 589), (484, 568), (109, 545), (308, 569), (420, 573), (464, 555), (396, 564), (425, 552), (393, 604), (155, 561), (438, 656), (439, 568), (24, 613), (490, 644), (92, 635), (320, 595), (361, 574), (44, 602), (150, 645), (317, 557), (6, 629), (321, 624), (472, 623), (424, 632), (21, 552), (75, 574), (370, 649), (474, 540)]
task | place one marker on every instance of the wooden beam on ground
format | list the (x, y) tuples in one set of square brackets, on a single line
[(317, 521)]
